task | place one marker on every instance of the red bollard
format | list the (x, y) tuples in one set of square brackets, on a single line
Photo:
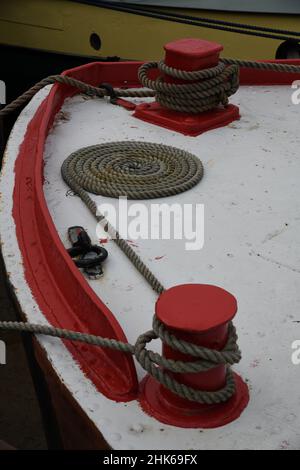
[(188, 55), (198, 314)]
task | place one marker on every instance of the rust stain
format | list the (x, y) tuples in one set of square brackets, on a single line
[(159, 257)]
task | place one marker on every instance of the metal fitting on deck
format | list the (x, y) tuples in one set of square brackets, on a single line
[(192, 89), (199, 315)]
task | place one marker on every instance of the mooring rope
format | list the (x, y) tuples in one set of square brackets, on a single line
[(85, 88), (213, 86), (154, 363), (119, 173), (209, 87)]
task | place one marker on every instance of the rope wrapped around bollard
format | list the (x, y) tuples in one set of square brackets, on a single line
[(208, 88), (154, 363)]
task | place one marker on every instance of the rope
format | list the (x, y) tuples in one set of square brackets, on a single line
[(155, 364), (271, 66), (213, 87), (208, 89), (216, 85), (65, 80), (138, 170)]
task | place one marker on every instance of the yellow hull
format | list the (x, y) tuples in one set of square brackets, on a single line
[(65, 27)]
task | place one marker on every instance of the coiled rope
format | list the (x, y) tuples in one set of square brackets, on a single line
[(114, 168), (138, 170)]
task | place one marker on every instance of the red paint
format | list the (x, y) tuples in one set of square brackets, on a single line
[(130, 242), (192, 54), (198, 314), (184, 123), (208, 307), (189, 55), (216, 416), (60, 290), (126, 104)]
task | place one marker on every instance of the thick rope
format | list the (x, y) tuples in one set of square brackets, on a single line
[(208, 89), (65, 80), (213, 87), (153, 363), (271, 66), (138, 170)]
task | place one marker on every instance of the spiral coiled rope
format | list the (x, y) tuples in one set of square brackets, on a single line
[(137, 170), (212, 88)]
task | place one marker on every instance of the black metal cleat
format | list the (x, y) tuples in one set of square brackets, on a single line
[(85, 255)]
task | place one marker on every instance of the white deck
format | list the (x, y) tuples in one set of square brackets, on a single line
[(252, 211)]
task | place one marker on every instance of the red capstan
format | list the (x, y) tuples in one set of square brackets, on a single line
[(188, 55), (199, 314)]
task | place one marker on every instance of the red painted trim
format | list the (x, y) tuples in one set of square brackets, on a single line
[(211, 416), (60, 290), (184, 123)]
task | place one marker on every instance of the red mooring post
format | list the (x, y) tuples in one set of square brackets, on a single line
[(198, 314), (189, 55)]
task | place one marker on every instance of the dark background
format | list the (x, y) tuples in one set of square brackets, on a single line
[(20, 418)]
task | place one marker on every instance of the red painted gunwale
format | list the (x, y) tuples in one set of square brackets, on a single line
[(60, 290)]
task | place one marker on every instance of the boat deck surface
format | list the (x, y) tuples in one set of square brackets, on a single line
[(250, 192)]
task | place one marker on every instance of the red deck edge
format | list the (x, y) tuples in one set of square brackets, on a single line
[(60, 290)]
